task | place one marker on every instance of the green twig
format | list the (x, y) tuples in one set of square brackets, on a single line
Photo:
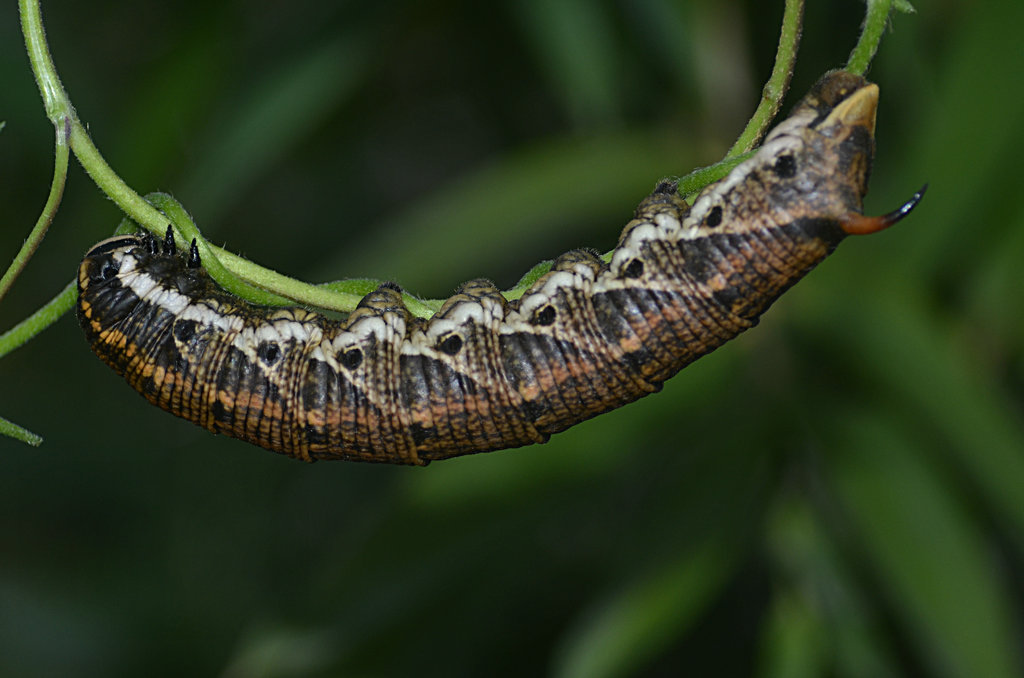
[(699, 178), (58, 105), (31, 244), (60, 114), (55, 99), (875, 21), (778, 82), (12, 430), (187, 232), (338, 296), (772, 94), (38, 321), (532, 276), (235, 272)]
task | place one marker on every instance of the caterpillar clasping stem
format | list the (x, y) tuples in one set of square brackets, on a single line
[(486, 372), (858, 224)]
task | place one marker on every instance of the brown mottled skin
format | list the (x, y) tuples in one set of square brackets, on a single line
[(483, 373)]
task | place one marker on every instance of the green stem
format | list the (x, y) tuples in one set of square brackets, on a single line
[(234, 272), (532, 276), (188, 232), (55, 99), (778, 82), (341, 296), (58, 105), (772, 94), (39, 321), (12, 430), (35, 237), (20, 334), (296, 290), (875, 21), (699, 178), (130, 202)]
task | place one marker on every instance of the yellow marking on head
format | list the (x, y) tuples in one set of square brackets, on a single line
[(858, 109)]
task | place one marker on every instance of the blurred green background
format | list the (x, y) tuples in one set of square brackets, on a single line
[(837, 493)]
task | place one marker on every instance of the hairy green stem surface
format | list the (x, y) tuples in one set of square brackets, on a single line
[(875, 21), (235, 271), (12, 430), (778, 82), (45, 316), (699, 178)]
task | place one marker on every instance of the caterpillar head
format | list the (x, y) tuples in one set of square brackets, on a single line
[(811, 173)]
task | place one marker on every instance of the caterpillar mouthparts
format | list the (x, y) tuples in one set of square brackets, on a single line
[(485, 373)]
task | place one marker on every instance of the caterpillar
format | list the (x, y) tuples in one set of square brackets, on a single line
[(485, 373)]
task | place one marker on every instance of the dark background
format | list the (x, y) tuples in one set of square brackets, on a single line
[(838, 493)]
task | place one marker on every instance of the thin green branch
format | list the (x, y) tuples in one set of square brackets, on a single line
[(231, 271), (875, 21), (296, 290), (532, 276), (130, 202), (31, 244), (12, 430), (778, 82), (39, 321), (188, 232), (699, 178), (338, 296), (772, 94), (55, 99), (58, 106)]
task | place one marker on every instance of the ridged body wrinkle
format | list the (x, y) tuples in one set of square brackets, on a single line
[(485, 373)]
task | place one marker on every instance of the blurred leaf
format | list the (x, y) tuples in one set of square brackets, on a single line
[(995, 290), (822, 621), (273, 653), (575, 43), (150, 139), (983, 117), (794, 641), (924, 548), (912, 359), (667, 28), (282, 108), (621, 633)]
